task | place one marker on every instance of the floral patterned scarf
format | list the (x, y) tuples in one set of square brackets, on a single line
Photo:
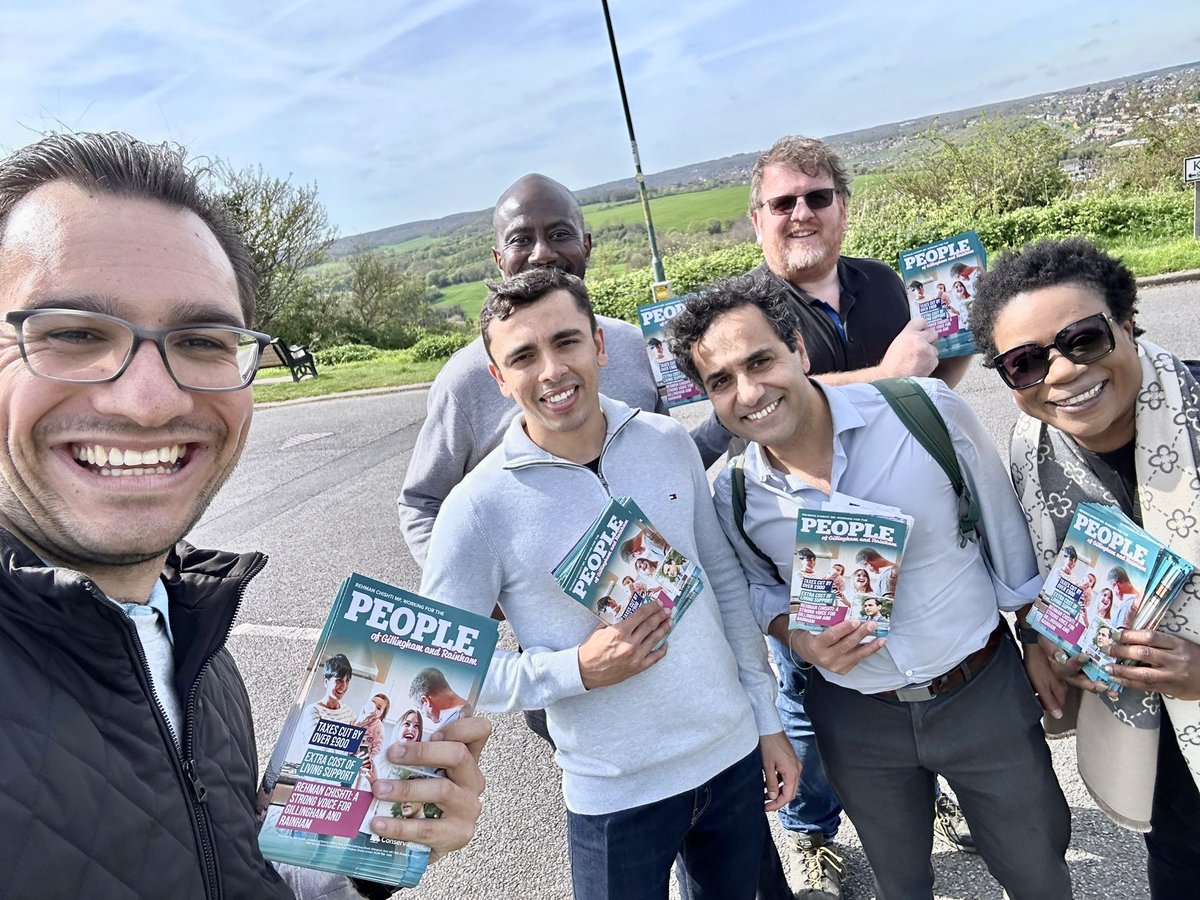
[(1117, 741)]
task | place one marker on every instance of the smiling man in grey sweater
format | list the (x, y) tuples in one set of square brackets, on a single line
[(537, 223), (663, 751)]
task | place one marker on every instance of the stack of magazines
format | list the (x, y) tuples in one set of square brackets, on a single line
[(846, 568), (389, 667), (622, 563), (1110, 575)]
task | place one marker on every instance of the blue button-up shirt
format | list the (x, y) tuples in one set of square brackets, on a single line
[(947, 599)]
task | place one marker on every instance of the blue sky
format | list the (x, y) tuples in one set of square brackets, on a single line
[(406, 110)]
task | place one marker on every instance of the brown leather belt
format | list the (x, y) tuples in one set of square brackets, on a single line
[(959, 675)]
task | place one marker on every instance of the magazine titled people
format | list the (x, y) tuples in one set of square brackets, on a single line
[(940, 280), (622, 562), (1110, 575), (846, 567), (675, 388), (389, 667)]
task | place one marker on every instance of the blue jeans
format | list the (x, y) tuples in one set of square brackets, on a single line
[(718, 831), (816, 807)]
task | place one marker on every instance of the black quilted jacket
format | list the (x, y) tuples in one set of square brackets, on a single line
[(95, 801)]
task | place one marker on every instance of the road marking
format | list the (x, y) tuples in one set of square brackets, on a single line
[(297, 439), (286, 632)]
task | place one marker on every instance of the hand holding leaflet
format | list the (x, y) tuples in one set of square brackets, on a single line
[(615, 652), (1108, 589), (358, 774), (838, 648), (455, 750), (1163, 662), (912, 352)]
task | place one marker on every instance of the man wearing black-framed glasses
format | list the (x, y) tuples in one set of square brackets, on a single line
[(855, 321), (855, 314), (125, 365)]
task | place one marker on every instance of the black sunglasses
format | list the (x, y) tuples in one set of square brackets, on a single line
[(821, 198), (1081, 342)]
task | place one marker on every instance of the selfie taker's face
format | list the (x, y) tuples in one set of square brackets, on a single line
[(113, 473)]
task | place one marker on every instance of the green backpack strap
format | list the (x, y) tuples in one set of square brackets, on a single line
[(738, 472), (914, 408)]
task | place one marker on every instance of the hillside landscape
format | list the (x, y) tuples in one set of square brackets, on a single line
[(1100, 160), (703, 205)]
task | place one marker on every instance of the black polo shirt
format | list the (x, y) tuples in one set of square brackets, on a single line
[(874, 309)]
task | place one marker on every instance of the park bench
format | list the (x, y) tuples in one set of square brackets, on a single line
[(299, 360)]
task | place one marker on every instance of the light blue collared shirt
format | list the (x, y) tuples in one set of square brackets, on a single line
[(947, 601)]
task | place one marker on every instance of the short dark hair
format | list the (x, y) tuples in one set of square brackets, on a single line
[(428, 681), (805, 553), (808, 155), (752, 289), (1044, 264), (338, 666), (1068, 552), (867, 555), (528, 287), (117, 164)]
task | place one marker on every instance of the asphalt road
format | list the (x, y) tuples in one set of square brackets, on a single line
[(316, 491)]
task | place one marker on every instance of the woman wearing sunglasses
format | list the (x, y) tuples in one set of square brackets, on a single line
[(1110, 417)]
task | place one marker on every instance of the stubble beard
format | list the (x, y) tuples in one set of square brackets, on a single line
[(809, 263)]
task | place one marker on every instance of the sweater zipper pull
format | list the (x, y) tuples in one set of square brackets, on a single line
[(199, 791)]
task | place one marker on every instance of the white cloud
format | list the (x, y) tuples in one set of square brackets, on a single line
[(417, 109)]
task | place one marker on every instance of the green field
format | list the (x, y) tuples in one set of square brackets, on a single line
[(469, 296), (412, 244), (677, 212), (674, 212)]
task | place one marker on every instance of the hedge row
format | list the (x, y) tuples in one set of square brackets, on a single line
[(619, 297), (886, 231)]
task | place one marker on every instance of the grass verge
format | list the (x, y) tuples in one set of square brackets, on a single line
[(1158, 257), (393, 369)]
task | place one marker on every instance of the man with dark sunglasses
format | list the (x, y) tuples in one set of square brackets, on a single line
[(1108, 417), (854, 317), (125, 364), (854, 312)]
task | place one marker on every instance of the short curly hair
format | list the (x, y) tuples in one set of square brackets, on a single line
[(752, 289), (1045, 264)]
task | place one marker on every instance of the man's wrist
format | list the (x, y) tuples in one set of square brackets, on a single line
[(1026, 634), (778, 628)]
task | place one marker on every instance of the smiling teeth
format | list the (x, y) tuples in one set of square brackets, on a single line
[(765, 411), (559, 398), (115, 461), (1080, 398)]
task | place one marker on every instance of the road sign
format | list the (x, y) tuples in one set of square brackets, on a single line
[(1191, 168), (661, 290)]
